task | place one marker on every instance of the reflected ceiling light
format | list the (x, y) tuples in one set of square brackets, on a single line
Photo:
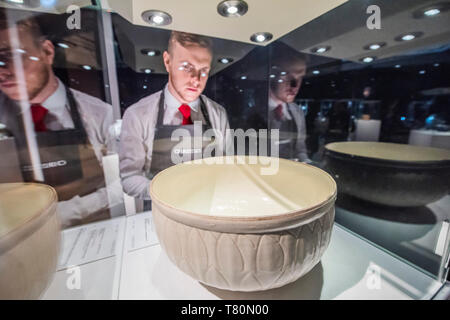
[(26, 3), (48, 3), (261, 37), (432, 10), (367, 59), (243, 77), (144, 86), (2, 63), (225, 60), (147, 70), (320, 49), (422, 72), (280, 80), (375, 46), (397, 66), (316, 72), (232, 8), (63, 45), (34, 58), (409, 36), (157, 18), (150, 52), (20, 51), (436, 65), (272, 76), (86, 67), (283, 73)]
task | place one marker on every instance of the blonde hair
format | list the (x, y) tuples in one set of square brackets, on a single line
[(188, 39)]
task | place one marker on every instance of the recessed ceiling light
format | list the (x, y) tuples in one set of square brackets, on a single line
[(409, 36), (321, 49), (375, 46), (225, 60), (261, 37), (431, 10), (86, 67), (156, 17), (243, 77), (232, 8), (316, 72), (63, 45), (150, 52), (367, 59)]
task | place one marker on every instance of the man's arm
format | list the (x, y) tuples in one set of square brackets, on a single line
[(132, 155)]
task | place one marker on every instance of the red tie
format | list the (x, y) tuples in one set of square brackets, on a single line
[(38, 112), (186, 112), (279, 112)]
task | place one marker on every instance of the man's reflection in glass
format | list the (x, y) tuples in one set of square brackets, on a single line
[(286, 75), (71, 128)]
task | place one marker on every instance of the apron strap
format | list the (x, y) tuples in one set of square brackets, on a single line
[(75, 114), (203, 110)]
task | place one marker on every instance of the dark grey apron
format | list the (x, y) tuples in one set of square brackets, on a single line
[(164, 148), (288, 136), (68, 160)]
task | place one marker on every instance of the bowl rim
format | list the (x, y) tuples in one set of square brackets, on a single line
[(28, 226), (239, 224), (387, 162)]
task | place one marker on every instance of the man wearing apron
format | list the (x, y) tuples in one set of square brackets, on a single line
[(145, 142), (288, 68), (69, 127)]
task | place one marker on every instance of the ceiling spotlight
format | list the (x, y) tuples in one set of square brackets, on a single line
[(320, 49), (431, 11), (86, 67), (243, 77), (261, 37), (367, 59), (157, 18), (150, 52), (316, 72), (232, 8), (147, 70), (225, 60), (375, 46), (63, 45), (409, 36)]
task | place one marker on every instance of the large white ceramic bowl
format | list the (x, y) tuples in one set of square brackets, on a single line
[(29, 239), (230, 227)]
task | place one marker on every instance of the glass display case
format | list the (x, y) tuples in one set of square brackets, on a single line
[(92, 94)]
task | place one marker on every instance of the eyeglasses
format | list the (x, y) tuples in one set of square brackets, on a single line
[(192, 71)]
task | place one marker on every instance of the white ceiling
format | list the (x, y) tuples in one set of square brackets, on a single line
[(200, 16)]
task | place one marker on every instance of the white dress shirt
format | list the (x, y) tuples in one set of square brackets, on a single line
[(173, 116), (138, 131), (58, 117), (273, 105)]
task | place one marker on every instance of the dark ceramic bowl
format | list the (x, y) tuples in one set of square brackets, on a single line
[(387, 173)]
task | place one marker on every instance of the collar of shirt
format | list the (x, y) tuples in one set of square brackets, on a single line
[(56, 104), (273, 105)]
